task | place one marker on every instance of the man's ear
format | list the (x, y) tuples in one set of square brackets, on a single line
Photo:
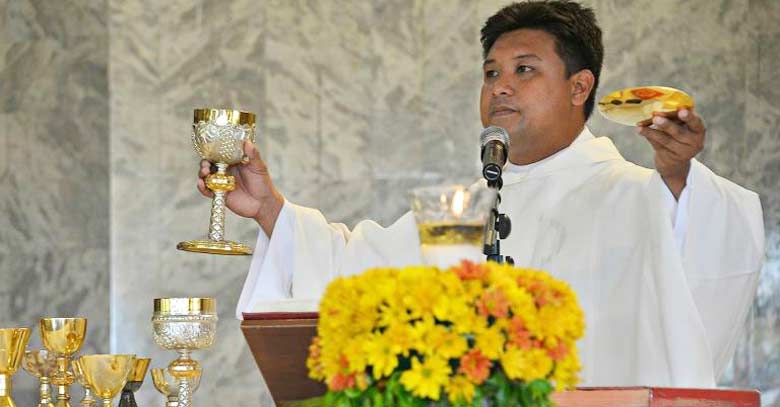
[(581, 86)]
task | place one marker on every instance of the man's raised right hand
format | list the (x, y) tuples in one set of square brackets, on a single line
[(255, 196)]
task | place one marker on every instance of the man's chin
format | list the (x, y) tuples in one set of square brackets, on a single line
[(505, 122)]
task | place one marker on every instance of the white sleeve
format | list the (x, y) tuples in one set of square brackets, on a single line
[(678, 212), (305, 252), (722, 253)]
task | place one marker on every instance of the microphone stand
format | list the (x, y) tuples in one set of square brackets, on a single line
[(498, 226)]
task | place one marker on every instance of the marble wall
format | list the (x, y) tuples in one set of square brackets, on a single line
[(357, 102), (54, 169)]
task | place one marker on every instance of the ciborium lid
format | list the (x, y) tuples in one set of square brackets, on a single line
[(185, 306)]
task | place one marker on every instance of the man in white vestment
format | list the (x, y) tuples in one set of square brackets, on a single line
[(665, 261)]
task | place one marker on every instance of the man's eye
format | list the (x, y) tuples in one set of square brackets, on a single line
[(524, 69), (491, 74)]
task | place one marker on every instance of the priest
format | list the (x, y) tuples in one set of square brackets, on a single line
[(665, 261)]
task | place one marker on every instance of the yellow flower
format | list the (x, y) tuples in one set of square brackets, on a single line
[(379, 353), (490, 341), (425, 379), (565, 375), (461, 389), (438, 340), (526, 365)]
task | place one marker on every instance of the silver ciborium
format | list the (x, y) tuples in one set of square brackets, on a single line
[(218, 135), (185, 325)]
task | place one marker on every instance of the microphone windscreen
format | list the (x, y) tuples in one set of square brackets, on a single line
[(494, 133)]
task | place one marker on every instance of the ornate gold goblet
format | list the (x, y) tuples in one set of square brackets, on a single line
[(106, 374), (41, 364), (12, 344), (184, 325), (134, 381), (63, 337), (218, 136), (167, 386), (88, 400)]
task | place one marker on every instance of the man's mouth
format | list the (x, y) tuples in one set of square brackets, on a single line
[(501, 110)]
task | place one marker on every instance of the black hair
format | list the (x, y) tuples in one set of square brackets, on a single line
[(574, 27)]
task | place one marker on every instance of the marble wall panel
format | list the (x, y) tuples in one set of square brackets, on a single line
[(356, 101), (54, 227), (166, 59)]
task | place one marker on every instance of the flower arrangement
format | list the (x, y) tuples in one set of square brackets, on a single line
[(421, 336)]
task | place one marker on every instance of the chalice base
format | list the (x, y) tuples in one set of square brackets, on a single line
[(215, 247)]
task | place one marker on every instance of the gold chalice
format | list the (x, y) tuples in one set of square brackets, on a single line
[(41, 364), (88, 400), (12, 344), (167, 386), (637, 106), (218, 136), (134, 381), (184, 325), (106, 374), (63, 337)]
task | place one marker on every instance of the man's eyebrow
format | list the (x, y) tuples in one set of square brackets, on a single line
[(521, 56)]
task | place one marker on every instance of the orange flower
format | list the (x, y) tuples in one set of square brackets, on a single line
[(471, 271), (559, 352), (475, 366), (340, 382), (518, 335), (493, 303)]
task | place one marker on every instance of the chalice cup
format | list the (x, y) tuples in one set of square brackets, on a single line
[(218, 135), (12, 344), (134, 381), (41, 364), (63, 337), (88, 400), (106, 374), (184, 325), (167, 386)]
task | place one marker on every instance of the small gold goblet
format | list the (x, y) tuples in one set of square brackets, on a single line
[(218, 135), (134, 381), (88, 400), (12, 344), (167, 386), (63, 337), (107, 374), (41, 364), (184, 325)]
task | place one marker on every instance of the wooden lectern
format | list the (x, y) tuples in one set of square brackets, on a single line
[(280, 345)]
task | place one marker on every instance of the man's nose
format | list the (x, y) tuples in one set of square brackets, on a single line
[(503, 86)]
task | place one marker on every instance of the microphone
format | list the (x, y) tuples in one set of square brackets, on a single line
[(495, 144)]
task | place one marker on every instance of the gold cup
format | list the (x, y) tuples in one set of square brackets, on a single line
[(218, 135), (134, 381), (41, 364), (184, 325), (12, 344), (63, 337), (107, 374), (88, 400), (167, 386)]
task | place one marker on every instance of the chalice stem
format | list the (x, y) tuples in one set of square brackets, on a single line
[(185, 393), (88, 400), (5, 391), (45, 390), (217, 223)]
